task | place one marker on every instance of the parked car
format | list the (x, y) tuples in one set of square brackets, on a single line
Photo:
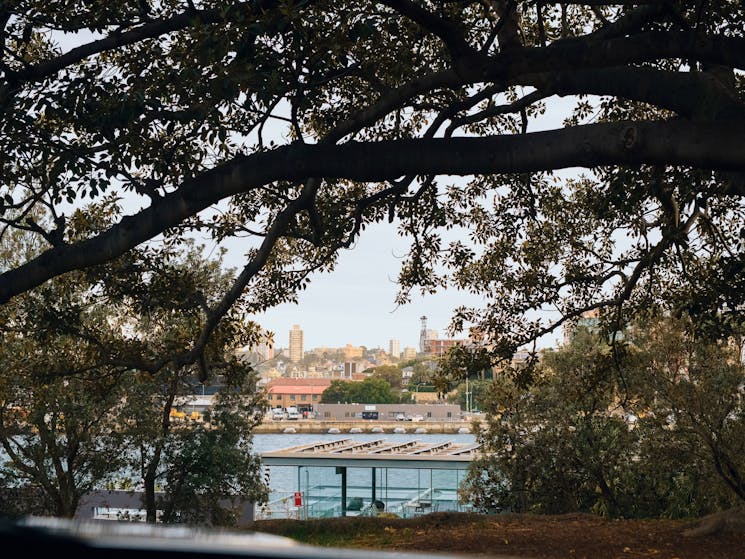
[(278, 415), (293, 414)]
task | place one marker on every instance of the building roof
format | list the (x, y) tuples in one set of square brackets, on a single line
[(284, 385), (300, 381), (355, 454)]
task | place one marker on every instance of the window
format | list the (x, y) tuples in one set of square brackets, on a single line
[(450, 414), (327, 414), (292, 397), (315, 397), (303, 397), (429, 414)]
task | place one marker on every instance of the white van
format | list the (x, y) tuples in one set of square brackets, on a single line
[(293, 414)]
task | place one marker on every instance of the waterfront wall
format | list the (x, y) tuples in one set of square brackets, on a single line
[(344, 427)]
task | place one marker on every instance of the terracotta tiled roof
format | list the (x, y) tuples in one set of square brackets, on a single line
[(285, 381), (298, 385)]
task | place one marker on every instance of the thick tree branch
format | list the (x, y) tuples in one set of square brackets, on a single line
[(276, 230), (146, 31), (694, 95), (582, 53), (716, 145), (515, 67)]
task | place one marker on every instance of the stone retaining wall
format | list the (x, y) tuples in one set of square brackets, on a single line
[(344, 427)]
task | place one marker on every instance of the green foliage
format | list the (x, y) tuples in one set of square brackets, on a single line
[(692, 389), (633, 432), (422, 373), (90, 375), (212, 472), (389, 373), (369, 391), (477, 390), (59, 403)]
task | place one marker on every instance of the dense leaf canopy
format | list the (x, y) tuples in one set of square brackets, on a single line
[(295, 124)]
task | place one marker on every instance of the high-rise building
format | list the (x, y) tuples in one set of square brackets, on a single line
[(409, 353), (394, 348), (296, 344), (350, 368)]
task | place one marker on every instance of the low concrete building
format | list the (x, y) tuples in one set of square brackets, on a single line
[(389, 412)]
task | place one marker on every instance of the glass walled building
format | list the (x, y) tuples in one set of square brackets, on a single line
[(345, 477)]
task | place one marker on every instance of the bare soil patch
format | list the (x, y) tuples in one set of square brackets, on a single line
[(580, 536)]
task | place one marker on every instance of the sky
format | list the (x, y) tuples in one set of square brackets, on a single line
[(355, 304)]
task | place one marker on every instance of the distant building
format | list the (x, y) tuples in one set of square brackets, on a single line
[(389, 412), (394, 348), (409, 353), (589, 320), (302, 393), (352, 352), (440, 347), (296, 344), (350, 368)]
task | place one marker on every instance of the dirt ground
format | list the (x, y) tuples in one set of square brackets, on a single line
[(571, 536)]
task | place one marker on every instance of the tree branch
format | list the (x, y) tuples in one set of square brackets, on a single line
[(146, 31), (449, 33), (516, 67), (716, 145)]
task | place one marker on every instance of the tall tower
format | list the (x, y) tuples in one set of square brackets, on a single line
[(296, 344), (423, 345), (394, 348)]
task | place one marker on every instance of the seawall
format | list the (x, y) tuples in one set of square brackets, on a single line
[(344, 427)]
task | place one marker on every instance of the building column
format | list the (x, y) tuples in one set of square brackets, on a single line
[(343, 471)]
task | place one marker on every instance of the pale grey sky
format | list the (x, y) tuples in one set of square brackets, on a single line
[(355, 304)]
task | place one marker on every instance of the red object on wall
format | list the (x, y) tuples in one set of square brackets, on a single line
[(298, 499)]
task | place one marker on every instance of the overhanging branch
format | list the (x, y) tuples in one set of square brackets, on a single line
[(715, 145)]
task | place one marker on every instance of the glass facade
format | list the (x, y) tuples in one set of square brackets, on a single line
[(330, 491)]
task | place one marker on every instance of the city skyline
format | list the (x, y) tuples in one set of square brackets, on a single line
[(355, 303)]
